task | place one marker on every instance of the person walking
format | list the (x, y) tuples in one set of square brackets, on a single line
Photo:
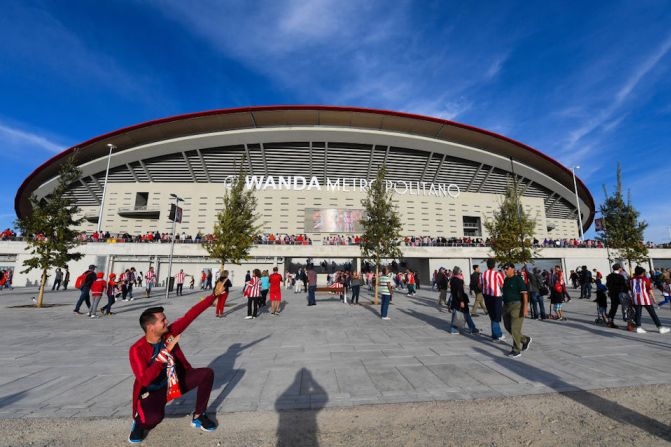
[(253, 293), (179, 280), (208, 283), (132, 278), (265, 286), (356, 287), (149, 282), (515, 309), (275, 280), (492, 284), (643, 296), (411, 282), (66, 279), (97, 289), (221, 290), (386, 286), (88, 277), (459, 302), (162, 372), (442, 287), (617, 292), (311, 276), (58, 279), (112, 290), (475, 287), (535, 286)]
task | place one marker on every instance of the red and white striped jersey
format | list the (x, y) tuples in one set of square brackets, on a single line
[(150, 276), (253, 287), (492, 283), (180, 277), (640, 290)]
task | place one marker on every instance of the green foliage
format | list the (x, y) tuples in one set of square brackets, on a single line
[(381, 236), (623, 229), (511, 230), (235, 229), (49, 228)]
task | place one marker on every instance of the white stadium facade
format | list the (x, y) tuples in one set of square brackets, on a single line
[(310, 167)]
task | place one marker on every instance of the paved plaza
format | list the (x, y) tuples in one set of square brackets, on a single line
[(58, 364)]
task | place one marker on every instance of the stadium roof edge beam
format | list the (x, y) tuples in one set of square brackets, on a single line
[(423, 129)]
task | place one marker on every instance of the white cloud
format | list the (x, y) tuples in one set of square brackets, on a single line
[(624, 93), (14, 140)]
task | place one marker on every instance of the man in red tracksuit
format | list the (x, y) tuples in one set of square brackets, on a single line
[(162, 372)]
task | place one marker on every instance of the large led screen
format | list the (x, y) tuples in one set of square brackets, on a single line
[(333, 220)]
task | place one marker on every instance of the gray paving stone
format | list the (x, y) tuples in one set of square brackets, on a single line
[(330, 355)]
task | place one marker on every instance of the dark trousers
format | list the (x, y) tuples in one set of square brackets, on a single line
[(536, 303), (311, 295), (253, 304), (614, 304), (84, 297), (264, 295), (651, 311), (355, 294), (494, 307), (178, 291), (57, 285), (152, 408), (108, 307)]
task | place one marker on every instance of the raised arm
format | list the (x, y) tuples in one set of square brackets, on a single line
[(182, 323)]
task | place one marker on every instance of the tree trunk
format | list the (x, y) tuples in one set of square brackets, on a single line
[(377, 280), (43, 283)]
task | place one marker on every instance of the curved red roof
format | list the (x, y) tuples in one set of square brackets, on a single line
[(41, 173)]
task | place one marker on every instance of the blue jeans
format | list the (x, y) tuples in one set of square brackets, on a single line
[(536, 303), (385, 305), (494, 307), (467, 317), (355, 294), (311, 295), (84, 296)]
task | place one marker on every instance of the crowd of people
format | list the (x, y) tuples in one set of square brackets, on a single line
[(304, 239)]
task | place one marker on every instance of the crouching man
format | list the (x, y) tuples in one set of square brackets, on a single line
[(162, 372)]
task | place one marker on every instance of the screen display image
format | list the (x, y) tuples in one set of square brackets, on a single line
[(333, 220)]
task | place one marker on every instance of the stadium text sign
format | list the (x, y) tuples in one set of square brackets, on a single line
[(345, 184)]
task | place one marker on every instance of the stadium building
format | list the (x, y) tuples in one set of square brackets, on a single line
[(310, 167)]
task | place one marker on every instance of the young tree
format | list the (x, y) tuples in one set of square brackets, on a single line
[(381, 236), (236, 228), (511, 230), (623, 231), (49, 228)]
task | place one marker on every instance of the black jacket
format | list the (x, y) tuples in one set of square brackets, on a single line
[(458, 294), (475, 283), (616, 284)]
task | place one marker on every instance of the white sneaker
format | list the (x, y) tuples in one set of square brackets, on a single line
[(386, 318), (664, 330), (501, 338), (248, 317), (640, 330)]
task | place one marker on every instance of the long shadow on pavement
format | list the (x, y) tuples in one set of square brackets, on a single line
[(226, 377), (300, 428), (610, 409)]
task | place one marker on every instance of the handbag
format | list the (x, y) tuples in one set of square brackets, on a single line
[(543, 291)]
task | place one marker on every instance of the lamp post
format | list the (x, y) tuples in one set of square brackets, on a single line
[(577, 203), (172, 245), (107, 172)]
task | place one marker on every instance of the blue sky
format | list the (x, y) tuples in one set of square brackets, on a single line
[(585, 82)]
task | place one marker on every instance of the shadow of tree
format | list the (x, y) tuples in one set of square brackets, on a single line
[(299, 428), (598, 404)]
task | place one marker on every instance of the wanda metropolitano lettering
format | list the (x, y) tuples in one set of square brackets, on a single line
[(345, 184)]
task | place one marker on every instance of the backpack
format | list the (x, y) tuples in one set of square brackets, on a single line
[(79, 283)]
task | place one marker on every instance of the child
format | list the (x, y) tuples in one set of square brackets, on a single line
[(97, 289), (111, 291), (601, 302), (666, 293)]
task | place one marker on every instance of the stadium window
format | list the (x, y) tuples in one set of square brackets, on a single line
[(472, 226), (141, 199)]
